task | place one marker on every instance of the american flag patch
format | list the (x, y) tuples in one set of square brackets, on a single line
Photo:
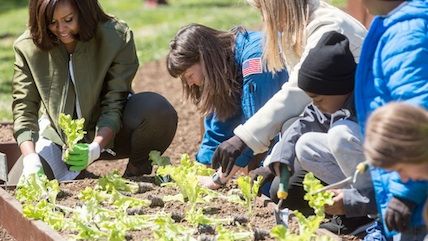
[(252, 66)]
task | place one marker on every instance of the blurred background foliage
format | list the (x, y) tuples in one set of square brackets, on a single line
[(153, 28)]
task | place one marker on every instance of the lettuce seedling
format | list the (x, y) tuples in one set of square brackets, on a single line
[(185, 176), (72, 129), (38, 197), (158, 160), (114, 181), (249, 190)]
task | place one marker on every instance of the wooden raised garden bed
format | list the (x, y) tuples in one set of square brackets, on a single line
[(8, 145)]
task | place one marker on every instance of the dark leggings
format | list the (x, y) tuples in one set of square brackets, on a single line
[(149, 123)]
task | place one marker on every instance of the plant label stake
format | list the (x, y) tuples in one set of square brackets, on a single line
[(3, 167)]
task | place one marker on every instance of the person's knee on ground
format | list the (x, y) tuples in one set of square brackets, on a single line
[(150, 122)]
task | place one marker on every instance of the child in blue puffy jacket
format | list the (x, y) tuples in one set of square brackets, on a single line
[(393, 68)]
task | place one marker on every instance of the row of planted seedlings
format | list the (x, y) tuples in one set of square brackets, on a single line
[(108, 210)]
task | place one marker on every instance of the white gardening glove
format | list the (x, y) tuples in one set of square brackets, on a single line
[(82, 155), (32, 165)]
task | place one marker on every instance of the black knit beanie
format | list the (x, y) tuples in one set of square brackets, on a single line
[(329, 68)]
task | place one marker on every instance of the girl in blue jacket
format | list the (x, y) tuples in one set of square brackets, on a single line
[(393, 68), (222, 72), (397, 139)]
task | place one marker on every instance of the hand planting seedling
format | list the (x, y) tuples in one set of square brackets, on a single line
[(77, 155), (73, 131), (309, 225)]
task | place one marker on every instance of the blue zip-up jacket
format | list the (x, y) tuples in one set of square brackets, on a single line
[(258, 87), (393, 67)]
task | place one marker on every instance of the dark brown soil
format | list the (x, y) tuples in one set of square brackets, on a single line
[(4, 235), (262, 218), (154, 77)]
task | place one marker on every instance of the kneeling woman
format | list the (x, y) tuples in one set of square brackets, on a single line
[(222, 73), (78, 60)]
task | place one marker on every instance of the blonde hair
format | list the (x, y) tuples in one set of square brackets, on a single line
[(285, 24), (397, 133)]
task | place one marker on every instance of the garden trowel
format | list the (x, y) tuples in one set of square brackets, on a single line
[(281, 215)]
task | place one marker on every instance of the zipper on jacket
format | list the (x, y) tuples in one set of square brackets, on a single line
[(72, 79)]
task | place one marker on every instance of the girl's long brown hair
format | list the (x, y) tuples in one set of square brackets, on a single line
[(41, 12), (214, 50), (288, 17), (397, 133)]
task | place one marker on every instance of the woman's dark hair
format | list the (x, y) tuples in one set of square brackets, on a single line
[(41, 13), (214, 50)]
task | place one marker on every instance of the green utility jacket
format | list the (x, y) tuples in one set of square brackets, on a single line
[(103, 67)]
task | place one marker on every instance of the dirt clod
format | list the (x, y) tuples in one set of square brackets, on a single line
[(156, 202), (206, 229), (240, 219), (211, 210), (145, 187), (63, 194), (135, 211), (178, 217), (260, 234)]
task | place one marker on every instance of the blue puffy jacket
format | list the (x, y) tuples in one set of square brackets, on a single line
[(258, 87), (394, 67)]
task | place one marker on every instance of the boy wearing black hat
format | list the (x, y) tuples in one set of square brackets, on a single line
[(326, 139)]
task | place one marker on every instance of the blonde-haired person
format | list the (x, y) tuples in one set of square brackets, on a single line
[(393, 68), (397, 139), (292, 28)]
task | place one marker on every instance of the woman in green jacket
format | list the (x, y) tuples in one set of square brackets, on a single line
[(78, 60)]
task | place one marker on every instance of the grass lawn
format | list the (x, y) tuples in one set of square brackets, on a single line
[(153, 28)]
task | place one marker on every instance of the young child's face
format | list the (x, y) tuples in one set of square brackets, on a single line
[(409, 171), (194, 75), (328, 103), (381, 7)]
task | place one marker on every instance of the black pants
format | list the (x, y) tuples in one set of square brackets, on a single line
[(149, 123)]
